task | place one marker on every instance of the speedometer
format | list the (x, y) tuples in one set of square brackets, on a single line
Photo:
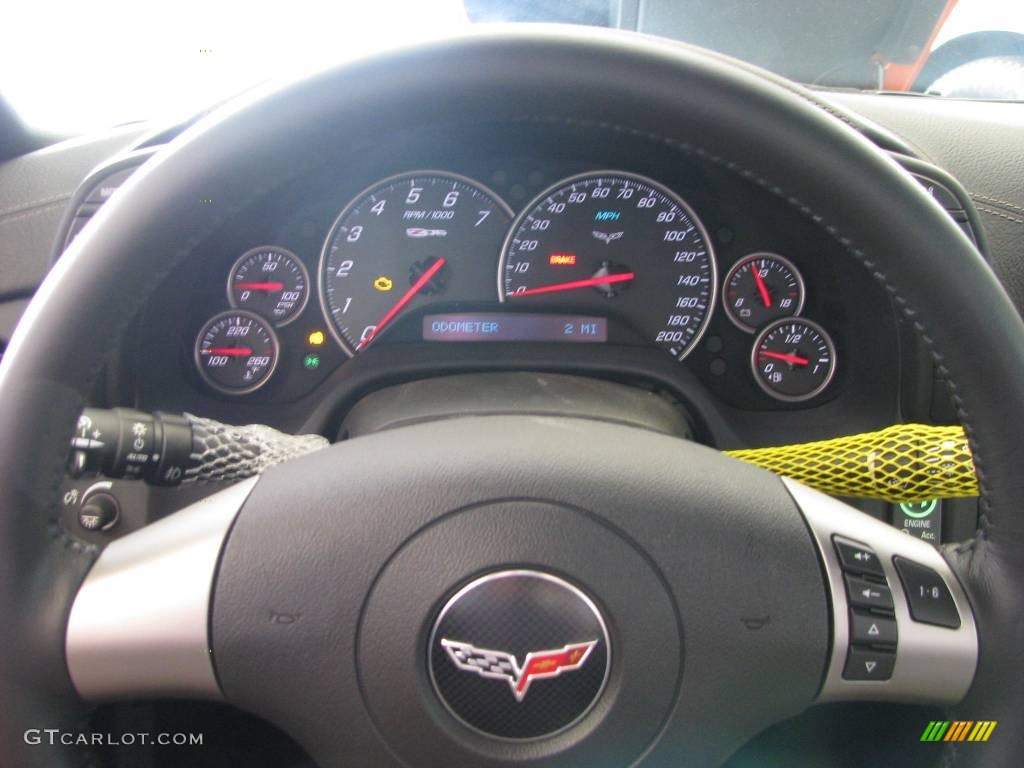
[(618, 244), (419, 238)]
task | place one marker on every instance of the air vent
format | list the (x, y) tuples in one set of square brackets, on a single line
[(949, 194), (100, 185), (98, 194), (945, 197)]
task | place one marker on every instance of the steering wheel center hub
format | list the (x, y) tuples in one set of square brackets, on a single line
[(491, 632)]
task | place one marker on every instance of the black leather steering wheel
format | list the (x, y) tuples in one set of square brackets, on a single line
[(671, 543)]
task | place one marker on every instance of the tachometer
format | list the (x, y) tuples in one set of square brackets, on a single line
[(618, 244), (408, 240)]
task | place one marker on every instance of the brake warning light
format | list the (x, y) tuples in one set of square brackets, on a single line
[(562, 259)]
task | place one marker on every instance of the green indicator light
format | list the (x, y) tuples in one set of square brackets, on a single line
[(918, 509), (311, 362)]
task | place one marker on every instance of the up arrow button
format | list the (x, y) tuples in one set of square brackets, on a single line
[(868, 629)]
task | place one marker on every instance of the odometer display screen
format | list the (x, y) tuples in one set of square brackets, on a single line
[(497, 326), (618, 245)]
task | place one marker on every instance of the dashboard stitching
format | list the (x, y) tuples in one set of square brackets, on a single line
[(34, 204), (1006, 216), (997, 201), (867, 128), (909, 312), (24, 213), (871, 130)]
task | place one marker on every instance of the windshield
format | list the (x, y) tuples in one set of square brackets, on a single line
[(68, 66)]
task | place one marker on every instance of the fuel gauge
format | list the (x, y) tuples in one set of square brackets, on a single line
[(793, 359)]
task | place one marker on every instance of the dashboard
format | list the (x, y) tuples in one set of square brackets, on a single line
[(881, 374), (527, 246), (519, 266), (555, 248)]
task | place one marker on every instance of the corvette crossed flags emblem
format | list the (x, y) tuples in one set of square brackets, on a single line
[(537, 665)]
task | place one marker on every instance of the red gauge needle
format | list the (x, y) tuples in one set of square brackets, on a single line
[(786, 358), (260, 286), (761, 287), (406, 298), (228, 351), (621, 277)]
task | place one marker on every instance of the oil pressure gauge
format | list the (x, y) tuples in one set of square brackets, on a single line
[(793, 359), (270, 281)]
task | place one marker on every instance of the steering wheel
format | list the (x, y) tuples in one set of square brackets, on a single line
[(513, 590)]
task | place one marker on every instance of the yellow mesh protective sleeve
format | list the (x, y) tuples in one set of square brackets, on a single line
[(904, 462)]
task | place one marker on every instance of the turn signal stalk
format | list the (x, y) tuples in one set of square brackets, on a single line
[(904, 462)]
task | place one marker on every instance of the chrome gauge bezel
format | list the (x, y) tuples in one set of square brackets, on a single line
[(287, 254), (829, 342), (801, 286), (356, 199), (216, 386), (639, 178)]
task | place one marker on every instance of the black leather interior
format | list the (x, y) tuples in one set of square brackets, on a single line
[(34, 193), (980, 143), (815, 162), (977, 142), (34, 190)]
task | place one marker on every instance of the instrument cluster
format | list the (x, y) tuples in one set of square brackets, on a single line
[(600, 257)]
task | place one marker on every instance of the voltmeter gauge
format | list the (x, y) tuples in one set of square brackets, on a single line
[(270, 281), (760, 288), (793, 359), (236, 352)]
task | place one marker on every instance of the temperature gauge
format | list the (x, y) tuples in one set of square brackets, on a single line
[(270, 281), (236, 352), (793, 359), (760, 288)]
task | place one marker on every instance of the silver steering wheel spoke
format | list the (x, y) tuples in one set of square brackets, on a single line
[(139, 625), (902, 627)]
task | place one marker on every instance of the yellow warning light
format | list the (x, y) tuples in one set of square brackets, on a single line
[(316, 338), (383, 284)]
